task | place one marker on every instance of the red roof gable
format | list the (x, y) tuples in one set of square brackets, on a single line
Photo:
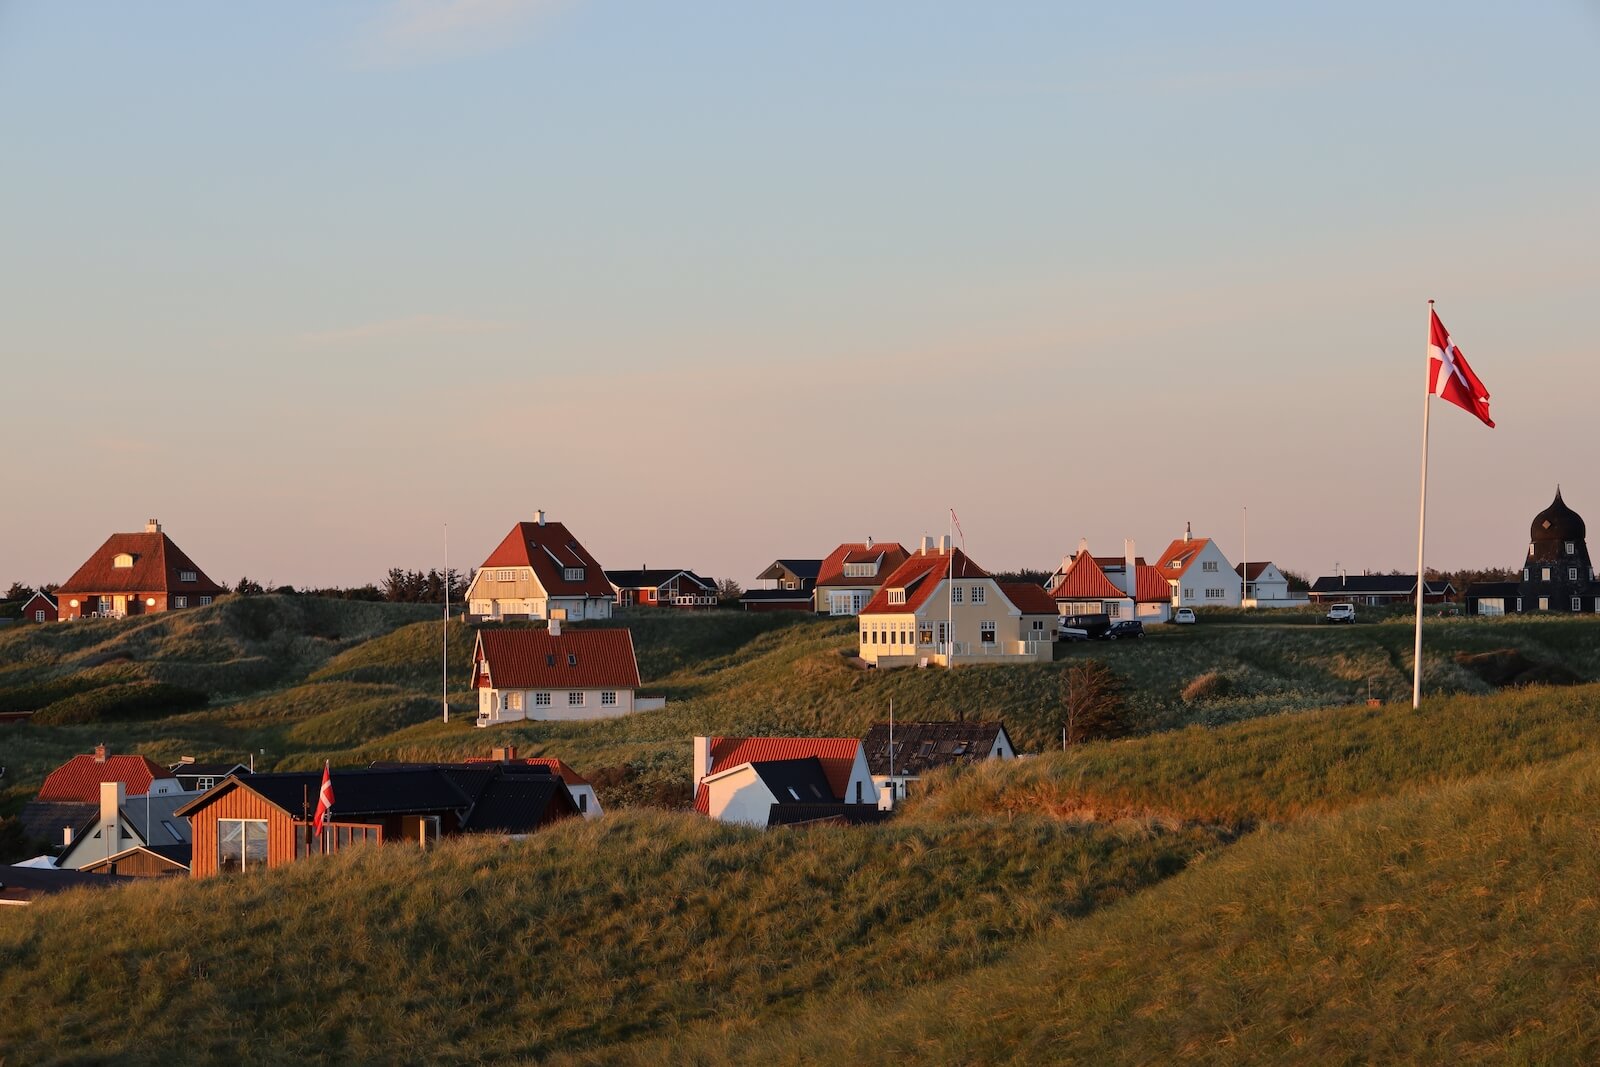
[(1151, 587), (1180, 556), (1085, 580), (577, 659), (832, 570), (158, 567), (1029, 599), (919, 576), (79, 778), (548, 548), (836, 754)]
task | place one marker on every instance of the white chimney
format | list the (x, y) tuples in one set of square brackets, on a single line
[(702, 759), (66, 836), (112, 795), (927, 545), (944, 543), (1083, 546), (1188, 533), (886, 796), (152, 526), (541, 516), (555, 626), (869, 540), (1130, 583)]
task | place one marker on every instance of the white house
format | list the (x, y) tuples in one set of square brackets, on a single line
[(1265, 586), (555, 674), (901, 753), (539, 571), (740, 779), (1199, 575)]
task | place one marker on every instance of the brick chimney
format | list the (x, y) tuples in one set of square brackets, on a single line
[(152, 526), (100, 753), (504, 755)]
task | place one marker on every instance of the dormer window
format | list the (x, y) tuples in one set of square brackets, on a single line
[(572, 574), (897, 596), (122, 560), (188, 576), (860, 570), (572, 659)]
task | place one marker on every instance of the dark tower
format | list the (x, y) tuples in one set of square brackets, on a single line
[(1557, 575)]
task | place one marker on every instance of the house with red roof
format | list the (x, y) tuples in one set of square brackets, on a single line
[(764, 781), (939, 607), (555, 674), (1121, 587), (581, 788), (852, 573), (539, 571), (135, 574), (1199, 574), (70, 795)]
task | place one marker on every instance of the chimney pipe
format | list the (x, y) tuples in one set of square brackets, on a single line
[(1130, 574), (1188, 532), (541, 516), (702, 759), (944, 544), (886, 796), (152, 526), (869, 540), (555, 627), (927, 545), (100, 753), (66, 835)]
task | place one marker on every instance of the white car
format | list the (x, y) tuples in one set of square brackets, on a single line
[(1342, 613), (1184, 615)]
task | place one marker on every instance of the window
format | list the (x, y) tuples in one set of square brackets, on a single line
[(1038, 624), (513, 701), (1544, 574), (978, 594), (897, 596), (574, 700), (1524, 574), (1569, 548), (572, 659), (608, 699), (925, 634), (172, 830), (955, 594), (122, 560), (505, 575), (860, 570), (241, 844), (1572, 574), (858, 792), (1544, 603), (180, 601), (986, 632), (1577, 603), (583, 799), (204, 601), (1208, 565), (541, 700), (1113, 608), (38, 616), (187, 576), (202, 784), (572, 574), (1188, 593)]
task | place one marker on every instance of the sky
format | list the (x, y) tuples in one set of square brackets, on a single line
[(715, 283)]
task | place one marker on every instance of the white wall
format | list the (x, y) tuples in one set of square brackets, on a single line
[(739, 796), (1191, 590), (492, 705)]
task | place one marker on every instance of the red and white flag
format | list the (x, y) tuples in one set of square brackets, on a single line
[(1449, 376), (324, 799)]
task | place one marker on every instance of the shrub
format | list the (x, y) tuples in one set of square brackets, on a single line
[(1092, 703), (1208, 686), (132, 700)]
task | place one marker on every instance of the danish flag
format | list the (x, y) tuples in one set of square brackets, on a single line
[(1449, 376), (324, 799)]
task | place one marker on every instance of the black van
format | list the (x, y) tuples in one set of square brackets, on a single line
[(1084, 627)]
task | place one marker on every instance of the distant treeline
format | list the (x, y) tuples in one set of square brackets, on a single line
[(399, 586)]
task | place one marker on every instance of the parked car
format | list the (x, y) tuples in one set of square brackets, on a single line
[(1184, 615), (1084, 627), (1125, 628), (1342, 613)]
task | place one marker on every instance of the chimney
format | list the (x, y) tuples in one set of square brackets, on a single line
[(541, 516), (1083, 546), (1188, 533), (152, 526), (504, 755), (944, 544), (869, 540), (886, 796), (927, 545), (555, 627), (702, 759), (1130, 584), (100, 753), (112, 797)]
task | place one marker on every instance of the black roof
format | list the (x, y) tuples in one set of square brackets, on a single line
[(776, 594), (516, 803), (800, 814), (43, 820), (1557, 522), (800, 568), (921, 746), (654, 578), (32, 881), (207, 770), (795, 781), (1373, 584), (1493, 589)]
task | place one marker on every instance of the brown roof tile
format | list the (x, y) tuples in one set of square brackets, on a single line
[(548, 549), (577, 659), (158, 567)]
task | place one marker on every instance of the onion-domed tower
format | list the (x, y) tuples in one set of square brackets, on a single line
[(1557, 575)]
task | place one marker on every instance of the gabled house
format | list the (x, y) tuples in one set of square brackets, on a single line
[(1265, 586), (791, 586), (135, 574), (939, 607), (198, 777), (902, 752), (539, 571), (1121, 587), (70, 795), (124, 825), (751, 779), (663, 588), (1375, 590), (581, 788), (40, 607), (266, 820), (852, 573), (554, 673), (1199, 574)]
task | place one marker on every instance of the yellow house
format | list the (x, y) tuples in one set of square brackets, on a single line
[(939, 607)]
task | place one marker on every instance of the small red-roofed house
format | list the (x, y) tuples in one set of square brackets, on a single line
[(554, 673), (1120, 587), (853, 572), (70, 795), (540, 571), (939, 607), (135, 574), (748, 779), (1199, 574)]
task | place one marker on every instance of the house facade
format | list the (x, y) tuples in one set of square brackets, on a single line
[(70, 795), (1198, 574), (663, 589), (40, 607), (1376, 590), (554, 674), (122, 826), (1265, 586), (539, 571), (791, 586), (1121, 587), (850, 575), (1557, 572), (939, 607), (135, 574), (751, 780), (900, 753)]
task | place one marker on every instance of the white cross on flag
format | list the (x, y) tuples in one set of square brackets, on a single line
[(1449, 376), (324, 799)]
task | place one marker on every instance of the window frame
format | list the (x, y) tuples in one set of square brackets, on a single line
[(245, 842)]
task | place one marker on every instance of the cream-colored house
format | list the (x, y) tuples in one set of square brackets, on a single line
[(938, 607), (539, 571)]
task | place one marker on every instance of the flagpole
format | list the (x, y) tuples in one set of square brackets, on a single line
[(951, 592), (1422, 525), (446, 682)]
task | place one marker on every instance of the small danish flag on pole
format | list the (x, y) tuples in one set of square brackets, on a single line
[(324, 799), (1449, 376)]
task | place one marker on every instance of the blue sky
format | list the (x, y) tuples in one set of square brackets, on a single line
[(719, 282)]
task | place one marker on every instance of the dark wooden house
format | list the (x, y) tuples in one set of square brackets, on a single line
[(1557, 574)]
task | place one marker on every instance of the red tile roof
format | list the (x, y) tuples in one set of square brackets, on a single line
[(577, 659), (1085, 580), (920, 576), (78, 780), (1028, 598), (1254, 568), (568, 775), (1151, 587), (832, 570), (1180, 556), (549, 549), (157, 568), (836, 754)]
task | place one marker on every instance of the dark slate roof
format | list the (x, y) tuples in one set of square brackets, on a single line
[(1373, 585), (795, 781), (921, 746), (801, 814), (779, 595), (26, 883), (800, 568), (207, 770), (1558, 522), (517, 803), (654, 578), (43, 820), (1493, 589)]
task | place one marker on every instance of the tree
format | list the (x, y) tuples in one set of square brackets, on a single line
[(728, 589), (1092, 703), (246, 587), (1297, 581), (18, 591), (1024, 576)]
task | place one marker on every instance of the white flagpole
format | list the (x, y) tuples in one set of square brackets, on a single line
[(446, 682), (951, 591), (1422, 526)]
